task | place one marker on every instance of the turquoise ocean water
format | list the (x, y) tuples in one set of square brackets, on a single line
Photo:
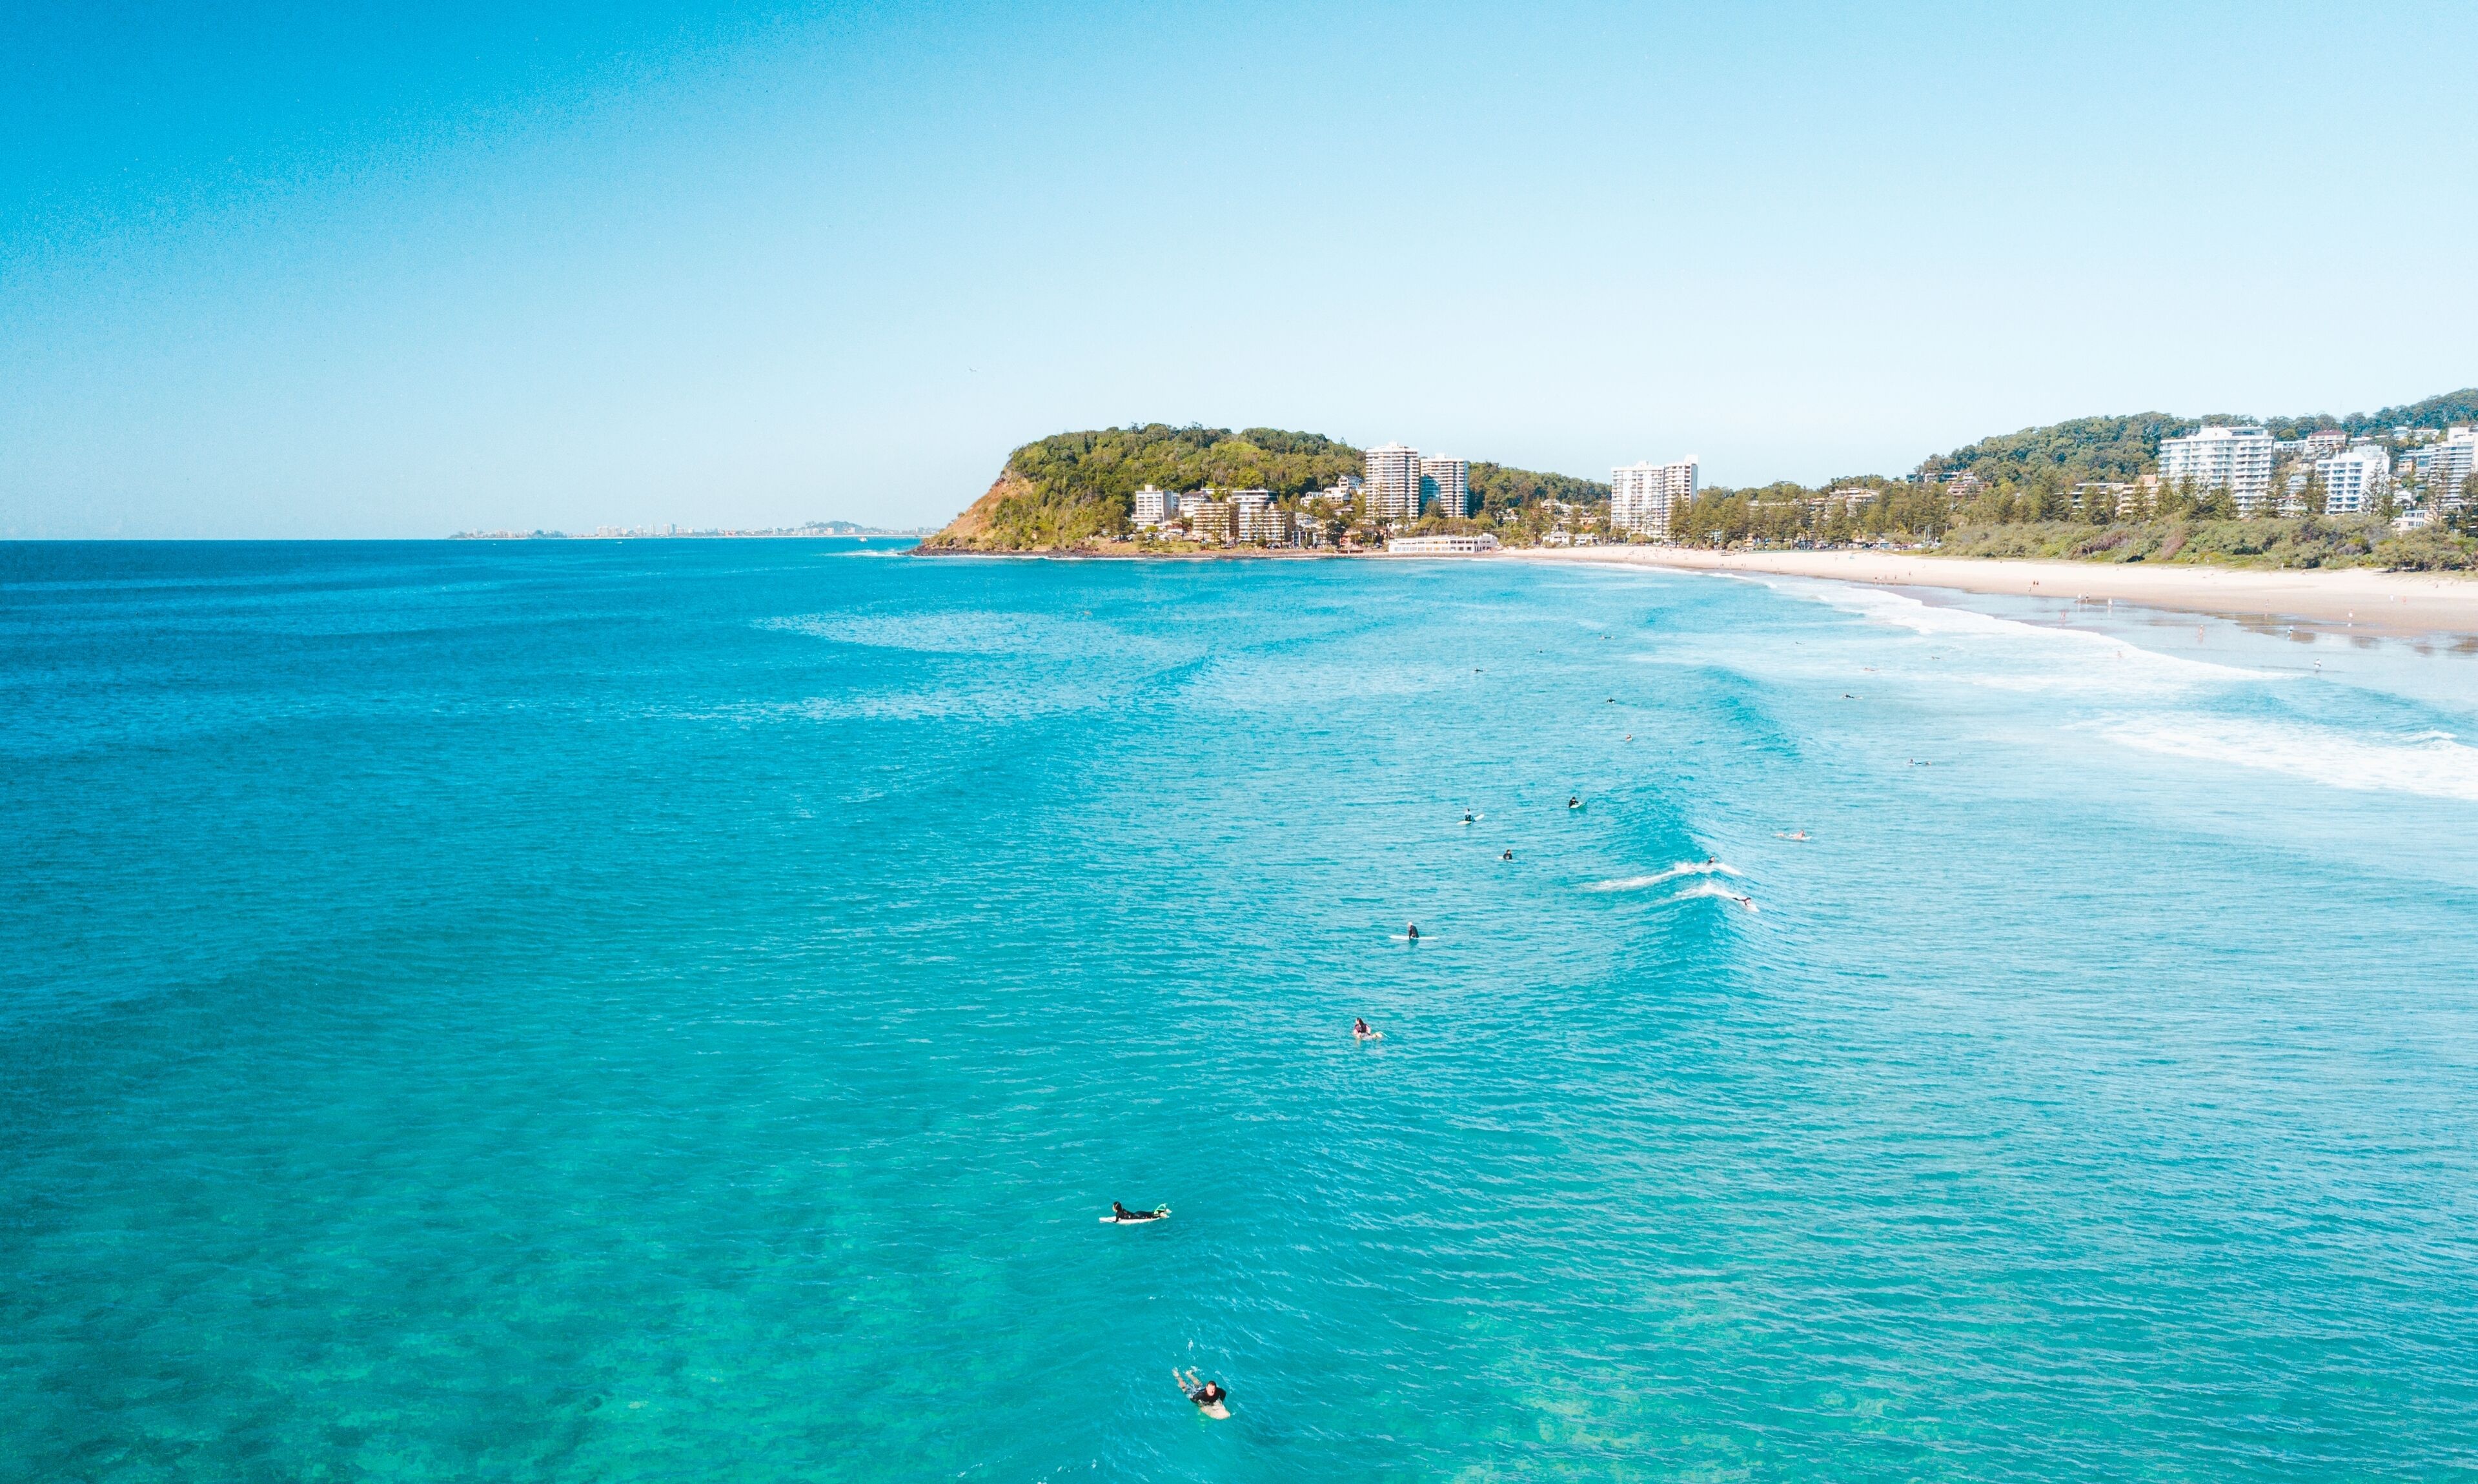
[(674, 1011)]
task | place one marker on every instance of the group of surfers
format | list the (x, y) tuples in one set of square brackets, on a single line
[(1211, 1397)]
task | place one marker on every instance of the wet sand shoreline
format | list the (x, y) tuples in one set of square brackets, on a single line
[(2401, 603)]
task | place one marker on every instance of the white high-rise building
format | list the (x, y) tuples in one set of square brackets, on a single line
[(1445, 486), (1155, 506), (2448, 468), (2237, 460), (1394, 482), (2353, 482), (1643, 496)]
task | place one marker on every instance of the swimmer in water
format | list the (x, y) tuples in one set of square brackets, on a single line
[(1359, 1028), (1120, 1213), (1208, 1396), (1411, 930)]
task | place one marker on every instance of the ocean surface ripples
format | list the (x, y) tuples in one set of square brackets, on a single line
[(676, 1010)]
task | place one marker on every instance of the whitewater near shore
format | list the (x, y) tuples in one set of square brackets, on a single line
[(2386, 602)]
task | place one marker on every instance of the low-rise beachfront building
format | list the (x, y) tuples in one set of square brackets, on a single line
[(1644, 496), (2353, 482), (1255, 521), (2102, 499), (1207, 520), (2323, 442), (1154, 508), (1392, 481), (1440, 545), (2234, 459), (1445, 486)]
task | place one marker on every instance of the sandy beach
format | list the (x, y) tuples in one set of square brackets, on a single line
[(2406, 603)]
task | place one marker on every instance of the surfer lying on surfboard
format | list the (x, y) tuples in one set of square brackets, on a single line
[(1208, 1396), (1120, 1213), (1359, 1028)]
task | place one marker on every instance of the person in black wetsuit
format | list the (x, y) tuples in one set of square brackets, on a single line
[(1411, 930), (1124, 1214), (1208, 1396)]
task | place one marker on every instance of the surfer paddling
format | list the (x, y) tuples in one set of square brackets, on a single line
[(1121, 1213), (1208, 1396)]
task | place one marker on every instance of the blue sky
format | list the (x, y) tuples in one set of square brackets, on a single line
[(307, 271)]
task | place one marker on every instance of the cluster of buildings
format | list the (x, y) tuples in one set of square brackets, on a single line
[(1243, 518), (2426, 469), (1401, 485), (1404, 483)]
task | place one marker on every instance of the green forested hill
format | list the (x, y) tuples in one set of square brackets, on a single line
[(1071, 488), (2119, 448), (2084, 449), (2439, 412)]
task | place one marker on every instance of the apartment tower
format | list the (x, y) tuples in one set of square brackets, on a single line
[(1394, 482), (2237, 460), (1445, 486), (1643, 496)]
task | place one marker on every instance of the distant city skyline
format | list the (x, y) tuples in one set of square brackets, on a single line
[(724, 266)]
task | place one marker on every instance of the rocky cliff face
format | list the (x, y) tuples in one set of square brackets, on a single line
[(975, 528), (1017, 514)]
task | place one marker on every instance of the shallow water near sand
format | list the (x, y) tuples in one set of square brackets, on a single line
[(676, 1011)]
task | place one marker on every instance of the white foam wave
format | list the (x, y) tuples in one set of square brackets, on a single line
[(1673, 873), (1712, 889), (2432, 765), (2124, 660)]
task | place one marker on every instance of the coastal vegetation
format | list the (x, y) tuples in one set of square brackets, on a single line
[(2276, 541), (2042, 520)]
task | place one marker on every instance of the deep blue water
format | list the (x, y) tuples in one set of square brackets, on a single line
[(675, 1011)]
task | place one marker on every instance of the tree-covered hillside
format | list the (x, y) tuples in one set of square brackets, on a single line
[(1074, 488), (2437, 412), (2084, 448), (1499, 489), (2121, 449), (1115, 462)]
